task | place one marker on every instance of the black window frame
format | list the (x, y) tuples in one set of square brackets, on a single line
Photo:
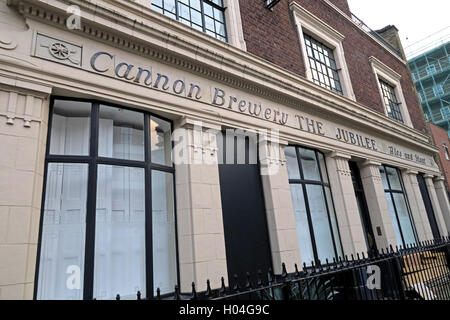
[(390, 101), (315, 62), (93, 160), (222, 8), (402, 192), (304, 182)]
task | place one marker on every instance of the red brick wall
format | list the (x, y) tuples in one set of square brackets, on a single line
[(272, 35), (343, 5), (440, 136)]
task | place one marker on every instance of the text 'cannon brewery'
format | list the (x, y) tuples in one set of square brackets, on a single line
[(105, 63)]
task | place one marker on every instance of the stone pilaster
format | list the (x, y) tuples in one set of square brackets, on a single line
[(346, 206), (442, 195), (24, 108), (436, 206), (201, 240), (279, 209), (417, 205), (377, 204)]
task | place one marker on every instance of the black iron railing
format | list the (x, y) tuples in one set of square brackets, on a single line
[(420, 272)]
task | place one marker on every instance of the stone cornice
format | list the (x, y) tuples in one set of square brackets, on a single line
[(380, 65), (304, 15), (132, 27)]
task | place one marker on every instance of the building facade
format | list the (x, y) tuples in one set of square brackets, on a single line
[(431, 75), (442, 141), (148, 144)]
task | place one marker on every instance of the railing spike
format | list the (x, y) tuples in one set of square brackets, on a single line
[(222, 289), (194, 292), (259, 281), (138, 295), (248, 284), (284, 272), (269, 277), (297, 273), (208, 292), (177, 293), (118, 297), (236, 287), (158, 293)]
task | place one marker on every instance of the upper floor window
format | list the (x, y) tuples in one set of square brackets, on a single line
[(204, 15), (444, 146), (323, 64), (322, 52), (390, 101), (391, 93)]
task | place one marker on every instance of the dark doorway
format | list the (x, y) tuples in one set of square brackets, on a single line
[(244, 215), (362, 207), (428, 206)]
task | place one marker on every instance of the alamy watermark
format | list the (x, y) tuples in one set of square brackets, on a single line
[(73, 22)]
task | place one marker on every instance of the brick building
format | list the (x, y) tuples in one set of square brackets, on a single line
[(441, 140), (148, 144)]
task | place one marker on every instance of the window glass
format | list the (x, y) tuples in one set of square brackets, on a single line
[(390, 101), (384, 178), (334, 224), (121, 134), (122, 185), (160, 140), (398, 207), (292, 163), (320, 222), (301, 222), (163, 219), (61, 263), (322, 64), (405, 218), (204, 15), (394, 179), (398, 236), (70, 132), (309, 164), (312, 201), (323, 167), (119, 233)]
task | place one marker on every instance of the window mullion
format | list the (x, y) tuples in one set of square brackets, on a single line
[(202, 8), (148, 211), (89, 256)]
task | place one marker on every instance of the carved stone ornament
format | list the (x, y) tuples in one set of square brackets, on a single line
[(57, 50)]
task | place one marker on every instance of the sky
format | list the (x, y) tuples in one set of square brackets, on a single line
[(420, 22)]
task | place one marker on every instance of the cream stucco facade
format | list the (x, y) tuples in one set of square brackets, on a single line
[(124, 33)]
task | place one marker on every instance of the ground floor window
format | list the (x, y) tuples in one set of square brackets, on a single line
[(108, 222), (316, 223), (402, 220)]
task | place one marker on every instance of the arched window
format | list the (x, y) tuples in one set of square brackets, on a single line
[(317, 227), (108, 217)]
